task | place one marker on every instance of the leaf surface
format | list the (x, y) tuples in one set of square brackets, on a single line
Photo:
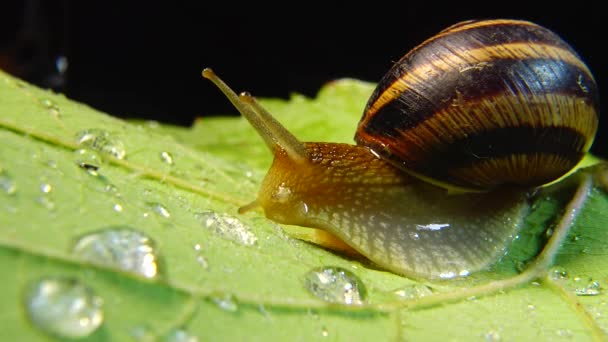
[(244, 277)]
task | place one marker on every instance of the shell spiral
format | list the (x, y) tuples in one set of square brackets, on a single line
[(482, 104)]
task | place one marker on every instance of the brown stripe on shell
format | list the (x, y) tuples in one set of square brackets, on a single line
[(472, 35), (435, 81), (483, 150)]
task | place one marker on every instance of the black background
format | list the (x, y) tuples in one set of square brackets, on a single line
[(143, 59)]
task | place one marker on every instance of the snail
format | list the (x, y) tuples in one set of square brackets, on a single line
[(452, 142)]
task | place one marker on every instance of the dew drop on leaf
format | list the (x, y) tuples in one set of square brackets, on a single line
[(159, 209), (51, 106), (324, 332), (46, 188), (64, 307), (121, 248), (493, 336), (166, 157), (180, 335), (101, 141), (200, 258), (226, 302), (87, 159), (7, 183), (117, 207), (226, 226), (414, 291), (592, 289), (335, 285)]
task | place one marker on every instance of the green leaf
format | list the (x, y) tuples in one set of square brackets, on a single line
[(225, 276)]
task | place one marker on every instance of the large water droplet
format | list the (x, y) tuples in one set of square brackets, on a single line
[(166, 157), (335, 285), (180, 335), (101, 141), (121, 248), (7, 183), (226, 226), (226, 302), (64, 307)]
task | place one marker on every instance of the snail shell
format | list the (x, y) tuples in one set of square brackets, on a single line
[(483, 104)]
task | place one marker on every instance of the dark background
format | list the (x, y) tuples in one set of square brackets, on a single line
[(140, 59)]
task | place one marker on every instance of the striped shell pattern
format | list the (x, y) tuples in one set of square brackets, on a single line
[(482, 104)]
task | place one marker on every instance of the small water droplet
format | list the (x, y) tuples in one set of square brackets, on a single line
[(414, 291), (112, 189), (64, 307), (226, 226), (46, 188), (335, 285), (46, 202), (88, 159), (159, 209), (566, 333), (117, 207), (121, 248), (592, 289), (180, 335), (226, 302), (200, 259), (166, 157), (101, 141), (142, 333), (558, 273), (7, 183), (51, 106), (493, 336)]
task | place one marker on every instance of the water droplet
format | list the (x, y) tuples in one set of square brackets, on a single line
[(200, 259), (567, 333), (493, 336), (414, 291), (64, 307), (592, 289), (46, 202), (159, 209), (335, 285), (180, 335), (166, 157), (88, 159), (101, 141), (558, 273), (117, 207), (7, 183), (46, 188), (226, 226), (113, 189), (51, 106), (226, 302), (120, 248)]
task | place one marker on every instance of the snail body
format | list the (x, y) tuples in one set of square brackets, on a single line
[(491, 109)]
